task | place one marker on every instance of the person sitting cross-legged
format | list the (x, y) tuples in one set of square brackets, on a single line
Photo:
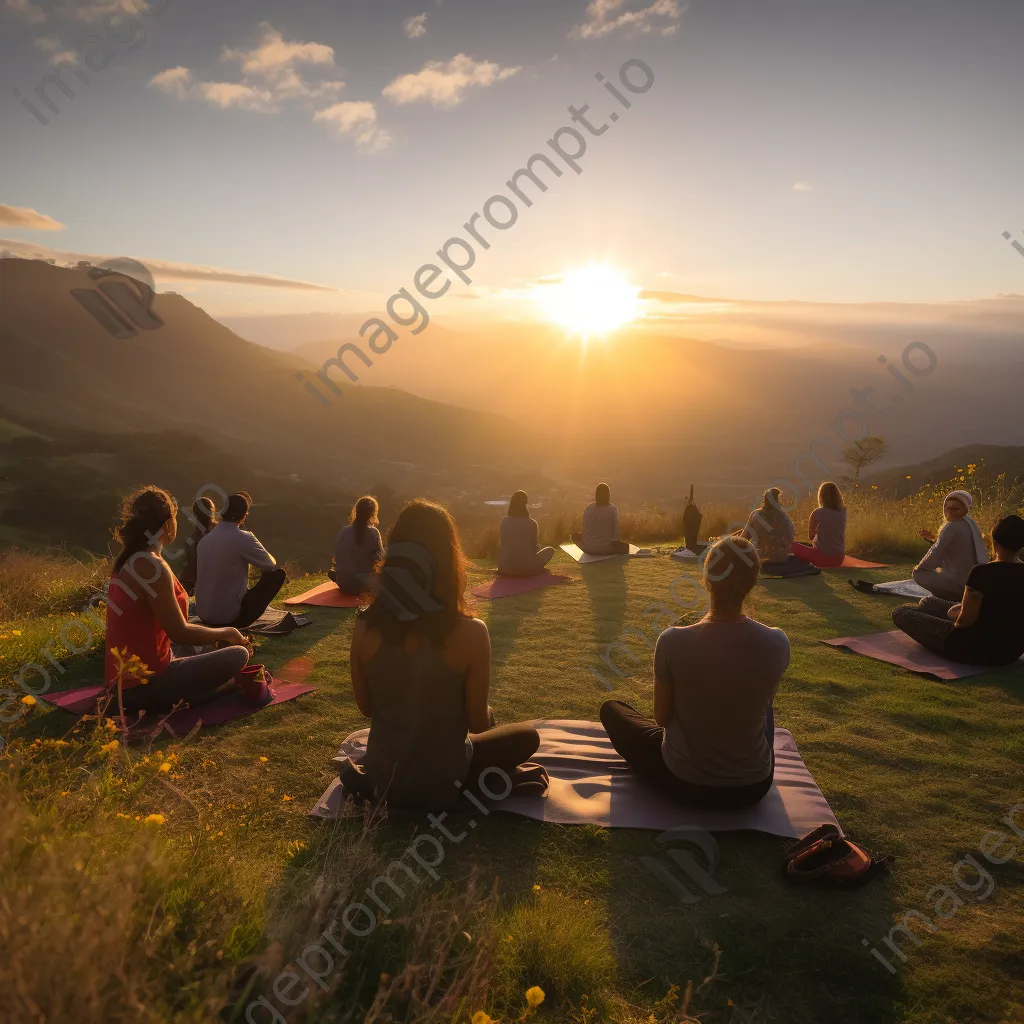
[(958, 548), (421, 670), (358, 548), (225, 554), (146, 613), (600, 534), (711, 741), (519, 554), (987, 626)]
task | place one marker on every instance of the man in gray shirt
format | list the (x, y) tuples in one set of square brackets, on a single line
[(224, 557)]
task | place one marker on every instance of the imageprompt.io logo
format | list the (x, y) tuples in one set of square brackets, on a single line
[(122, 300)]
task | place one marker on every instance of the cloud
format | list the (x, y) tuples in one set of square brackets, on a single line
[(802, 186), (445, 85), (358, 119), (174, 81), (233, 94), (415, 26), (31, 220), (53, 47), (603, 17), (31, 12), (268, 76), (166, 270)]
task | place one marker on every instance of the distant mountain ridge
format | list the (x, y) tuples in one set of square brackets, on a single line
[(989, 460)]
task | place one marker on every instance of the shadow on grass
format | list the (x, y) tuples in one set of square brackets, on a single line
[(503, 621), (608, 592)]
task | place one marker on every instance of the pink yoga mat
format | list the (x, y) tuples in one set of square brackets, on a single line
[(180, 723), (327, 595), (897, 648), (509, 586), (591, 784), (849, 562)]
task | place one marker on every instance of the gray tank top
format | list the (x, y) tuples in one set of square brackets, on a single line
[(419, 742)]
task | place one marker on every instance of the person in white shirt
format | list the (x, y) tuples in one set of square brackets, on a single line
[(222, 579), (600, 534)]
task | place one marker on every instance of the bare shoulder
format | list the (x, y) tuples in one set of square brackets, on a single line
[(471, 632)]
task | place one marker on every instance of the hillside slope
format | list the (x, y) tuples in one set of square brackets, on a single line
[(196, 376)]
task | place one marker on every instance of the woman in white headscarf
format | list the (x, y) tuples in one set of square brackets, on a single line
[(958, 548)]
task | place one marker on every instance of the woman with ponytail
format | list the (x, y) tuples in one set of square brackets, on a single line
[(358, 548), (147, 612), (711, 741)]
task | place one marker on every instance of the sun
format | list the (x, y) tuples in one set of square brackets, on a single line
[(590, 300)]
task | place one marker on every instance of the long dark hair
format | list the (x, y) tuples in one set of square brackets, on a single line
[(517, 505), (143, 515), (421, 586), (364, 513)]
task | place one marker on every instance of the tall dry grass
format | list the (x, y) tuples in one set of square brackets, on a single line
[(877, 523), (36, 583)]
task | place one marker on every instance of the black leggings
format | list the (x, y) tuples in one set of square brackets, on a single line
[(257, 598), (639, 739), (191, 680), (504, 747), (926, 622)]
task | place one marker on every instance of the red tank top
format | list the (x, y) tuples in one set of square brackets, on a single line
[(132, 625)]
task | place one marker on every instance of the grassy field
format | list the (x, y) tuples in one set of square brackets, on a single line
[(108, 916)]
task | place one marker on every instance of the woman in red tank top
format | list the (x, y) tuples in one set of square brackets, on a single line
[(147, 611)]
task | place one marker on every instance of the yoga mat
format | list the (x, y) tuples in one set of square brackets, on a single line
[(230, 706), (849, 562), (591, 784), (902, 588), (509, 586), (897, 648), (327, 595), (577, 554), (278, 622), (792, 567)]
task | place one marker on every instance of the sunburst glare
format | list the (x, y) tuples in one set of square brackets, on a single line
[(589, 301)]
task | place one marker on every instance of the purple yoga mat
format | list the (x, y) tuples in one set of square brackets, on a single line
[(182, 722), (509, 586), (897, 648)]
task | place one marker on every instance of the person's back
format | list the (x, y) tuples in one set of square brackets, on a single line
[(724, 675), (225, 555), (772, 532), (953, 551), (419, 734), (997, 637), (354, 560), (829, 528), (600, 528), (517, 554)]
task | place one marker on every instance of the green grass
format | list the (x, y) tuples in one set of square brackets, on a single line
[(919, 769)]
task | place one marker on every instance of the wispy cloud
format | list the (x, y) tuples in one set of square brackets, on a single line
[(603, 17), (25, 217), (802, 186), (31, 12), (357, 119), (445, 84), (166, 270), (415, 26), (55, 50)]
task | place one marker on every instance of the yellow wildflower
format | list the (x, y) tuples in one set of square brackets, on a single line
[(286, 798), (108, 747), (534, 997), (166, 766), (156, 819), (15, 632), (28, 699), (481, 1017), (263, 759)]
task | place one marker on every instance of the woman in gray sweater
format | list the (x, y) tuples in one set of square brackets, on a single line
[(958, 548), (518, 554)]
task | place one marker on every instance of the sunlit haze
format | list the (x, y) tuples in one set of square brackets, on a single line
[(589, 301)]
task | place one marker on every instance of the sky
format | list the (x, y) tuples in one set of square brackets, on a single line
[(315, 153)]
